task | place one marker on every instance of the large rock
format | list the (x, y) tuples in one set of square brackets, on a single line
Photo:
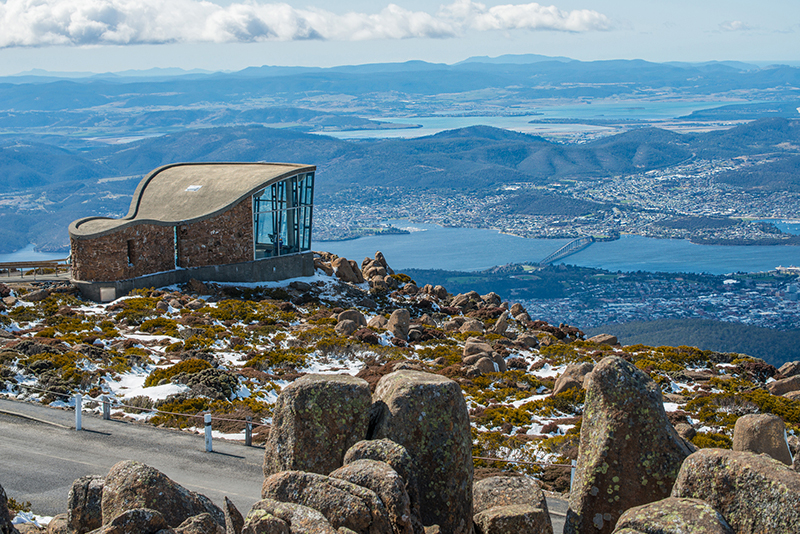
[(501, 325), (84, 504), (6, 527), (397, 457), (234, 522), (346, 327), (387, 484), (762, 434), (789, 369), (315, 420), (604, 339), (497, 491), (510, 504), (785, 385), (345, 272), (753, 492), (269, 516), (342, 503), (629, 453), (472, 347), (59, 525), (398, 323), (135, 521), (132, 485), (427, 415), (572, 377), (353, 315), (200, 524), (515, 518), (674, 516), (471, 325)]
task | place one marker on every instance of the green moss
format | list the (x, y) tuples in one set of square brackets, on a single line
[(451, 353), (723, 409), (24, 314), (403, 278), (197, 343), (186, 406), (190, 366), (64, 366), (294, 357), (712, 440), (160, 326), (496, 388), (563, 353), (316, 333), (137, 310)]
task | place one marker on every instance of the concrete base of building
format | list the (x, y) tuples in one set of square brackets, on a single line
[(266, 270)]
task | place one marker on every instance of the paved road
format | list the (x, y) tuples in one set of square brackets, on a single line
[(39, 461)]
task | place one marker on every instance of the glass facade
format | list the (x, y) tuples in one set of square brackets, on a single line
[(282, 217)]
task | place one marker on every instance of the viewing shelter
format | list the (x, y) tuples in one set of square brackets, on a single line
[(223, 222)]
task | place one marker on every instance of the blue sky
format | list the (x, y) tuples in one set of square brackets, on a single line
[(117, 35)]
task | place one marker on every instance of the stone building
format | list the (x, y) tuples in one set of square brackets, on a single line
[(224, 222)]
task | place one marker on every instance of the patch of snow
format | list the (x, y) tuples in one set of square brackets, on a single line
[(29, 517), (548, 371), (671, 407), (520, 402), (131, 384)]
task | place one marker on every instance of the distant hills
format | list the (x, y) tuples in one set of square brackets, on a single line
[(514, 78), (68, 182)]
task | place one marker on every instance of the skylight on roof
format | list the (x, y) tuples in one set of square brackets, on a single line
[(193, 188)]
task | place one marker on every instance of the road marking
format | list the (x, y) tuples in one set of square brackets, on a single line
[(204, 488), (67, 459)]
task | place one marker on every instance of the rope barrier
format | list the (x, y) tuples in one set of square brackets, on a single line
[(202, 416), (118, 404), (542, 464)]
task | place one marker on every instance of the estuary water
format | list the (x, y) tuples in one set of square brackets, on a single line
[(28, 254), (600, 110), (468, 249)]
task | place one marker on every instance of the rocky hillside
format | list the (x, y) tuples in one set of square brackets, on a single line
[(232, 351)]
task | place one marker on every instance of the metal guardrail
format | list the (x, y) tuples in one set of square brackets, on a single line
[(35, 266)]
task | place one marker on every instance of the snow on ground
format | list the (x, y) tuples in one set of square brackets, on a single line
[(329, 365), (131, 384), (532, 398), (548, 371), (39, 521)]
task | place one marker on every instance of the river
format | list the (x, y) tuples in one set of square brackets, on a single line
[(429, 246)]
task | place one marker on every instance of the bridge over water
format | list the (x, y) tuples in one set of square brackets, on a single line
[(576, 245)]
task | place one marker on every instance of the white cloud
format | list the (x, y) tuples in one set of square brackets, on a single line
[(120, 22), (526, 16), (734, 26)]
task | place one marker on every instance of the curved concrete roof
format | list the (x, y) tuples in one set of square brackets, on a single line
[(189, 192)]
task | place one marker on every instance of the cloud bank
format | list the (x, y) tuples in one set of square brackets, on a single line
[(734, 26), (30, 23)]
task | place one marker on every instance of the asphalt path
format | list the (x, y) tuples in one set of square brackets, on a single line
[(39, 461), (41, 454)]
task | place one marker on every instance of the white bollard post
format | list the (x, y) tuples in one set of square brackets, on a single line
[(78, 411), (572, 474), (106, 408), (207, 420), (248, 432)]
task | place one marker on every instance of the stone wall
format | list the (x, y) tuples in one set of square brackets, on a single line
[(226, 238), (131, 252)]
